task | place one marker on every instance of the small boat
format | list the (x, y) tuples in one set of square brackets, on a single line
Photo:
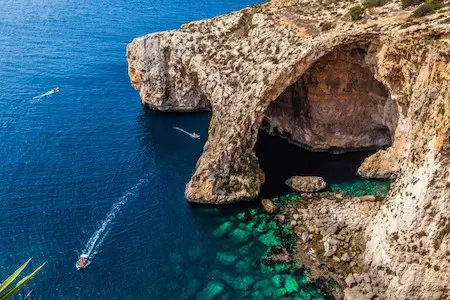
[(192, 135), (51, 92), (82, 261)]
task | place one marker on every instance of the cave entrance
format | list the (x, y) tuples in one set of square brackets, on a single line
[(281, 160), (336, 106)]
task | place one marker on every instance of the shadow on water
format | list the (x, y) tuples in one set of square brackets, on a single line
[(281, 160)]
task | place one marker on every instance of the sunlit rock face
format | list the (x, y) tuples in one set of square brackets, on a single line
[(336, 105), (275, 62)]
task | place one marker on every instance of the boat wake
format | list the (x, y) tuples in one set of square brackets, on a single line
[(51, 92), (96, 240), (192, 135)]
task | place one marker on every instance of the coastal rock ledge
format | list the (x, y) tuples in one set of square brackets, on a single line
[(305, 71)]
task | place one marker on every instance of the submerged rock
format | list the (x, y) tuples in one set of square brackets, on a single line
[(291, 284), (223, 229), (240, 235), (226, 258), (306, 183), (212, 289), (243, 265), (192, 286), (270, 239), (243, 282)]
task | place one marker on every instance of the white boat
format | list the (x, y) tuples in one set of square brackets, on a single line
[(51, 92), (192, 135), (82, 261)]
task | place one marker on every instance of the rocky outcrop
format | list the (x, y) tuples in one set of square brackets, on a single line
[(306, 184), (269, 206), (275, 65), (276, 255), (331, 241)]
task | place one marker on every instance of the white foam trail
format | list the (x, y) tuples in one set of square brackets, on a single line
[(51, 92), (98, 236), (184, 131)]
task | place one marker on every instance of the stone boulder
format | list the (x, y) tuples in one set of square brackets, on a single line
[(306, 183), (354, 294), (367, 198), (269, 206)]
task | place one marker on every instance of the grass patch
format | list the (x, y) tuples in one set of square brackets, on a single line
[(427, 8), (357, 12), (407, 3), (374, 3)]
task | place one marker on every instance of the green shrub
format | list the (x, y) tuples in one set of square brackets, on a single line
[(374, 3), (427, 8), (357, 12), (436, 3), (423, 10), (407, 3)]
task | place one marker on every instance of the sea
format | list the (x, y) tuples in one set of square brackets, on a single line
[(90, 170)]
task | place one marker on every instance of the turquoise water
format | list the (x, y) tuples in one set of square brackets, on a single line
[(89, 170)]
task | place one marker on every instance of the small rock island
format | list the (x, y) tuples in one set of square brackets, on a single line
[(327, 76)]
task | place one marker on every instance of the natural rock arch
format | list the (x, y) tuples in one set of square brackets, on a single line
[(233, 169), (243, 61)]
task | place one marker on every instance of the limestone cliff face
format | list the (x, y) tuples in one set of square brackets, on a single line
[(363, 84), (411, 233), (323, 109)]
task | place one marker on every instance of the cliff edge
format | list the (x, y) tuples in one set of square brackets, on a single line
[(306, 71)]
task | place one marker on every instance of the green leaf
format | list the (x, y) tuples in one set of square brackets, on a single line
[(5, 284), (21, 283)]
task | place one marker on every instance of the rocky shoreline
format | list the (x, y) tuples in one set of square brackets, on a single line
[(330, 230)]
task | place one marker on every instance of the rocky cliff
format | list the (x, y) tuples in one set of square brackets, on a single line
[(306, 71)]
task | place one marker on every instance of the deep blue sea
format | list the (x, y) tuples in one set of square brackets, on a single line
[(88, 169)]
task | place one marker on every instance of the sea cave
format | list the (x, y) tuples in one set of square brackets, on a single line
[(338, 107)]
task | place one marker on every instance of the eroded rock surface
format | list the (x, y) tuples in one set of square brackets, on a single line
[(269, 206), (336, 105), (274, 62), (306, 183)]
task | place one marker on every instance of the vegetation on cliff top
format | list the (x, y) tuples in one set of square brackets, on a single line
[(428, 7), (407, 3), (357, 12)]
